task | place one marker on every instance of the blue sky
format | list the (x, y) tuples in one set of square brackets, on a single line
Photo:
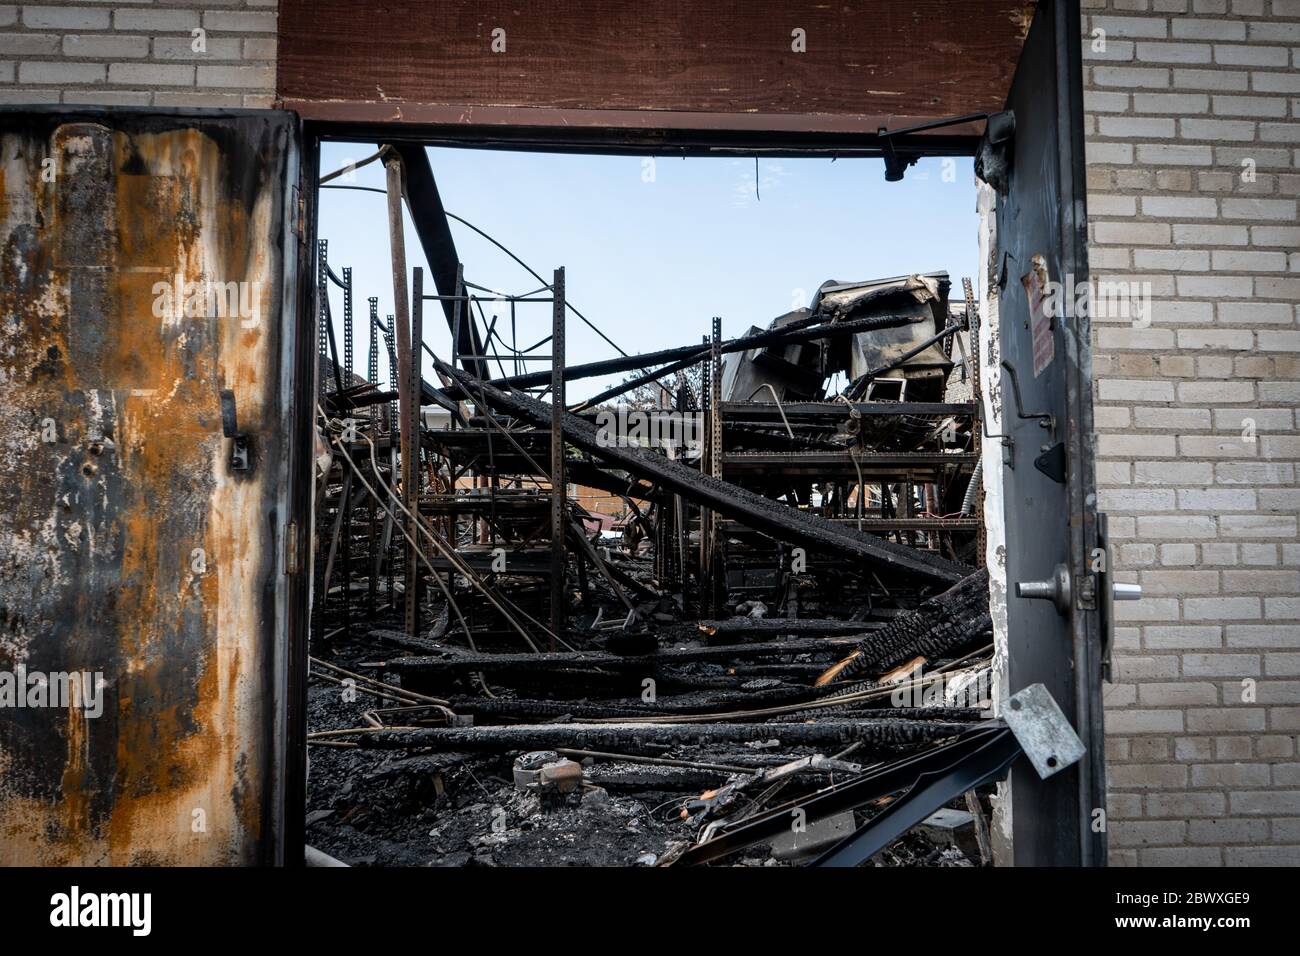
[(653, 249)]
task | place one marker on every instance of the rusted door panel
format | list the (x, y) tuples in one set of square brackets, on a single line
[(131, 549)]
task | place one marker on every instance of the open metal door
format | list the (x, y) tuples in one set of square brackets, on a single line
[(151, 524), (1049, 485)]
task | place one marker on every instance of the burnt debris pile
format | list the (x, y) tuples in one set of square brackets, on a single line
[(723, 613)]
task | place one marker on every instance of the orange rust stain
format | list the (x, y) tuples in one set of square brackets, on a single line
[(178, 748)]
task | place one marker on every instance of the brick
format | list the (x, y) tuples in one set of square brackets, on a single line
[(1176, 207), (1262, 856), (1136, 390), (1276, 582), (1221, 665), (1215, 392), (259, 48), (1215, 339), (1181, 260), (1177, 694), (1148, 832), (1219, 553), (1172, 555), (1214, 720), (1227, 831), (1181, 856), (1186, 805), (1280, 608), (1129, 77), (1116, 446), (1282, 209), (1216, 446), (1250, 105), (1213, 129), (1106, 416), (182, 48), (1147, 776), (1274, 287), (1131, 27), (1275, 235), (1279, 341), (1174, 180), (1280, 500), (1191, 79), (1112, 153), (1132, 233), (1096, 101), (1128, 667), (1259, 554), (1221, 608), (29, 44), (1279, 132), (65, 18), (1258, 526), (1239, 158), (1219, 287), (1236, 55), (29, 96), (240, 22), (1116, 51), (1121, 338), (1178, 104), (151, 74), (1275, 82), (245, 77), (1164, 154), (1232, 748), (1136, 500), (1232, 260), (102, 97), (1204, 234), (1173, 52), (1274, 746), (1118, 695), (1265, 803), (1183, 418), (156, 21), (1173, 473), (1263, 635), (1133, 127), (60, 73), (105, 47), (1230, 775), (1217, 499), (1190, 29), (1148, 609), (1273, 32)]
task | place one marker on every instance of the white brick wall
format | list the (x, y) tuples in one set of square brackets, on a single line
[(139, 54), (1188, 99)]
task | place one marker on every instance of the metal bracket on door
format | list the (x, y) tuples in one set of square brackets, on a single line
[(230, 428)]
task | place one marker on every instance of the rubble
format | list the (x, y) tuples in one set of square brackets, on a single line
[(744, 598)]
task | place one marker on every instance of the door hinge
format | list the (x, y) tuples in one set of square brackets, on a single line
[(300, 214), (291, 548)]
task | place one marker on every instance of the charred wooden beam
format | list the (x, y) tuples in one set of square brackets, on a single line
[(434, 231), (873, 733), (779, 520), (459, 662), (936, 625)]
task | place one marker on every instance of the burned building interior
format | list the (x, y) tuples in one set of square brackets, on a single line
[(785, 616)]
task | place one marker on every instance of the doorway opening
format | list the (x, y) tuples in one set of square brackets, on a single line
[(769, 459)]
